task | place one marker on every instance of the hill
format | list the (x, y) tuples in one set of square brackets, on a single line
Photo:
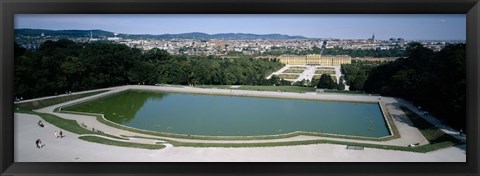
[(192, 35)]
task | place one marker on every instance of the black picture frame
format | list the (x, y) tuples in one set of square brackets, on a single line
[(8, 8)]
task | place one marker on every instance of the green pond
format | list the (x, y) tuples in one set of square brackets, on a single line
[(215, 115)]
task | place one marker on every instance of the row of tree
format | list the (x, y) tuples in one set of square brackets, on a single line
[(64, 65)]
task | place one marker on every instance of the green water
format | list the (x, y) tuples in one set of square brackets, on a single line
[(198, 114)]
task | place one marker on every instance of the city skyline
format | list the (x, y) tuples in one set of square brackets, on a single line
[(409, 27)]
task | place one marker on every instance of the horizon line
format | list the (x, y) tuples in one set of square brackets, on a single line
[(296, 35)]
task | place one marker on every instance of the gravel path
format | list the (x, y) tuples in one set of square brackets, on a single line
[(72, 149)]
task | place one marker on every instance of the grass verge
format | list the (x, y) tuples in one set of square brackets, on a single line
[(120, 143), (52, 101), (288, 76), (296, 89), (66, 124), (432, 133), (297, 67), (294, 71), (329, 72), (348, 92), (420, 149), (325, 68), (318, 77), (389, 120)]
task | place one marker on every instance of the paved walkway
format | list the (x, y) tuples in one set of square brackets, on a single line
[(409, 134), (71, 149), (435, 121), (286, 67), (307, 74), (63, 95)]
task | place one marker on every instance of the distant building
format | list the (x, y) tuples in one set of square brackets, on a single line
[(114, 39), (372, 40), (314, 59)]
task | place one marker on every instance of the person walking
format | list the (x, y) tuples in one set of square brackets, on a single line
[(61, 134), (39, 143), (40, 123)]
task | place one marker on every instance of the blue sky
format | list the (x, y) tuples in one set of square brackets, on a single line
[(351, 26)]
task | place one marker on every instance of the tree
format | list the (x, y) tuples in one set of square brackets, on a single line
[(156, 54), (326, 82), (274, 80), (18, 51), (302, 83), (340, 85), (357, 83), (62, 65), (433, 80)]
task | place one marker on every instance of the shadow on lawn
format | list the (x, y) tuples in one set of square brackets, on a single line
[(432, 133)]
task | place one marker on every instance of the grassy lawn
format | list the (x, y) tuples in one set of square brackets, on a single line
[(297, 67), (281, 88), (325, 68), (52, 101), (347, 92), (420, 149), (120, 143), (170, 85), (66, 124), (330, 72), (318, 77), (433, 134), (261, 88), (294, 71), (288, 76), (216, 86)]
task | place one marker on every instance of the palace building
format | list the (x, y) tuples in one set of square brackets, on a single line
[(314, 59)]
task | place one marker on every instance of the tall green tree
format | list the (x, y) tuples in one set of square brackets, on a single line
[(326, 82), (433, 80)]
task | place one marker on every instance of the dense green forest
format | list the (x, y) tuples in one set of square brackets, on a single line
[(433, 80), (356, 73), (64, 65)]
